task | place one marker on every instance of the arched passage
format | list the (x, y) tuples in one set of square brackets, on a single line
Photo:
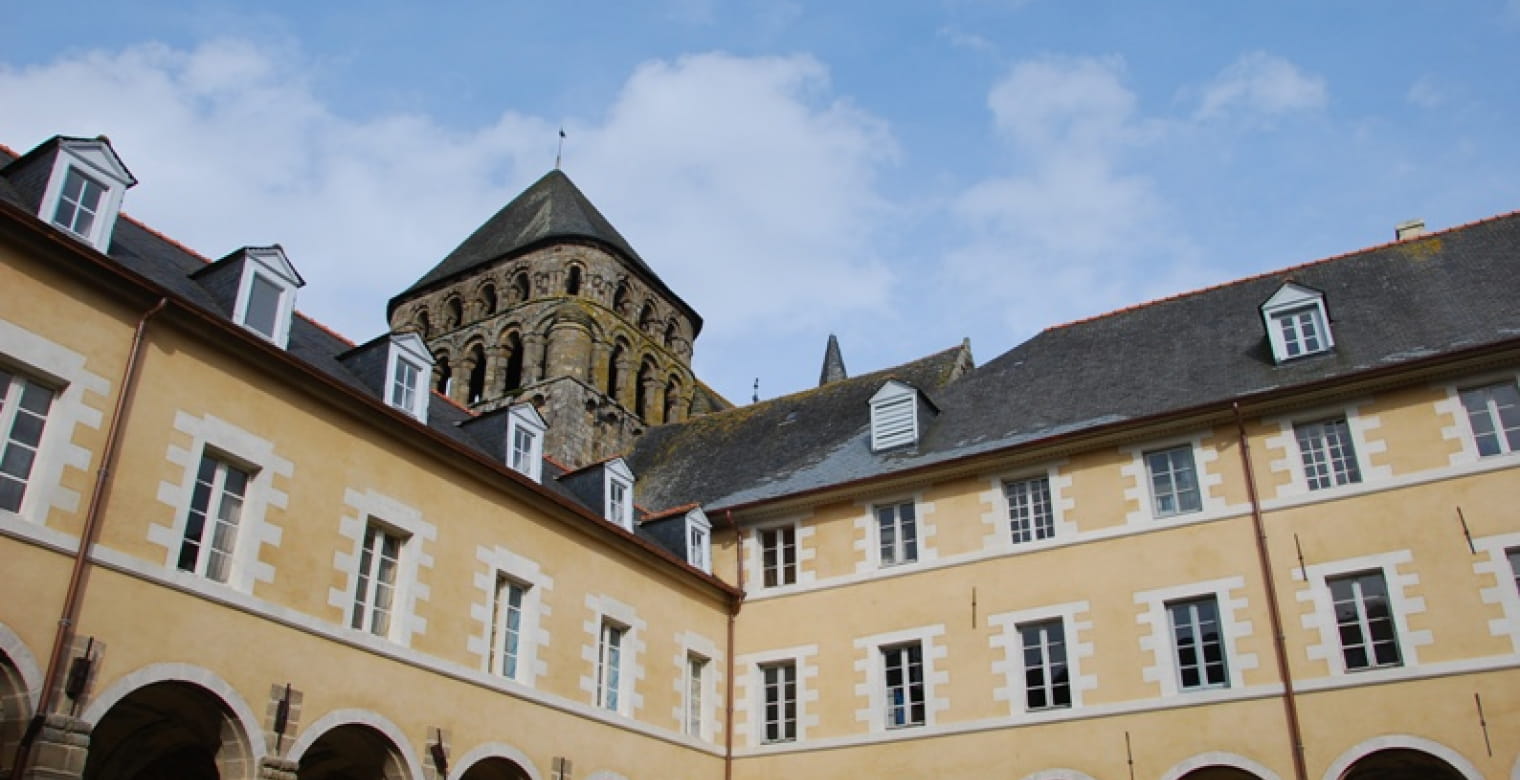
[(1400, 764), (494, 761), (1219, 773), (171, 730), (1219, 765), (19, 681), (353, 745), (495, 768)]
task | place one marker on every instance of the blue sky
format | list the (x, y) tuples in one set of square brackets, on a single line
[(905, 175)]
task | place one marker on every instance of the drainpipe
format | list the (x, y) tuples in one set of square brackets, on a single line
[(1274, 610), (74, 596), (733, 614)]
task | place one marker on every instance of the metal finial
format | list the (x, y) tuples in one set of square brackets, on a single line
[(558, 153), (756, 397)]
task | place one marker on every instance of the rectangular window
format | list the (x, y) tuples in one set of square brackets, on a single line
[(617, 503), (374, 598), (1199, 644), (1302, 331), (897, 533), (1029, 513), (904, 672), (609, 665), (1046, 684), (696, 667), (778, 556), (79, 203), (697, 547), (1494, 412), (24, 407), (1365, 620), (522, 450), (404, 385), (1514, 565), (216, 505), (779, 681), (1174, 482), (506, 626), (263, 306), (1329, 458)]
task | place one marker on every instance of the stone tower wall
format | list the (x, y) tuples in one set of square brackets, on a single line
[(603, 354)]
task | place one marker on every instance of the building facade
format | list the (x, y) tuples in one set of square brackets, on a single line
[(1265, 530)]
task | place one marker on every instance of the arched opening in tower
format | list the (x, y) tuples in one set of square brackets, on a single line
[(641, 393), (476, 360), (513, 347), (573, 282)]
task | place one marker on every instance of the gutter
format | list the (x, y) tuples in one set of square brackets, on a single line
[(1274, 610), (733, 613), (73, 599)]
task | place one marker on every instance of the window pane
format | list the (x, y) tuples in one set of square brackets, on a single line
[(263, 305)]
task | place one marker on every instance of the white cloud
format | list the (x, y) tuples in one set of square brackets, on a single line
[(1263, 84), (1426, 92), (1073, 233), (742, 181)]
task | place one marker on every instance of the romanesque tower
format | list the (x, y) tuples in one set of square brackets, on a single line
[(546, 302)]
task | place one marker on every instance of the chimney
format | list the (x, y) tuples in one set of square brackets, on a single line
[(1413, 228)]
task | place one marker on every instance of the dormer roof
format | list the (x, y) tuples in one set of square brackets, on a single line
[(552, 210)]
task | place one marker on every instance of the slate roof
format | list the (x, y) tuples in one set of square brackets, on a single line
[(1389, 305), (784, 441), (552, 209)]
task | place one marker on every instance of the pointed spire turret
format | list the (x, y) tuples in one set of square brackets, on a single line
[(833, 364)]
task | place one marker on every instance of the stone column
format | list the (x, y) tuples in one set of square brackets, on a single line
[(496, 373), (271, 768), (654, 396), (624, 382), (597, 370), (569, 348), (533, 357), (60, 749)]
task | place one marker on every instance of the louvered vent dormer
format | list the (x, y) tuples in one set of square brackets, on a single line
[(894, 416)]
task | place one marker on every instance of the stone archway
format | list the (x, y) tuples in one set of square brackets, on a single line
[(169, 730), (1400, 764), (494, 768), (353, 745), (16, 705), (1219, 773)]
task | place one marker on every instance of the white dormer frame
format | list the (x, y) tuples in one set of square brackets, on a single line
[(617, 493), (1297, 322), (894, 416), (408, 364), (698, 532), (525, 441), (268, 269), (96, 161)]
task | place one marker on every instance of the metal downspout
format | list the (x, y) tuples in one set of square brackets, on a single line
[(1274, 610), (74, 596)]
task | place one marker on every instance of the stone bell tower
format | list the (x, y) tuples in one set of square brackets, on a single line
[(546, 302)]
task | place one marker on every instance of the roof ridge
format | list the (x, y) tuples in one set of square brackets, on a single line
[(888, 372), (1279, 271)]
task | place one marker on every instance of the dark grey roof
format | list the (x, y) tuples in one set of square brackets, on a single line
[(1389, 305), (711, 458), (552, 209)]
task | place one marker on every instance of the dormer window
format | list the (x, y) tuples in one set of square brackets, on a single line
[(267, 293), (406, 367), (618, 493), (525, 441), (1297, 323), (84, 189), (894, 416), (78, 203), (699, 540)]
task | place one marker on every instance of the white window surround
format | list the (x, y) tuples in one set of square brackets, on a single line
[(1289, 300), (871, 673), (1291, 461), (369, 507), (1204, 471), (868, 534), (95, 160), (1157, 640), (64, 370), (525, 425), (534, 638), (1076, 619), (1504, 591), (272, 266), (749, 698), (699, 540), (410, 348), (688, 644), (894, 416), (616, 474), (754, 556), (253, 454), (606, 609), (996, 518), (1459, 426), (1321, 617)]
